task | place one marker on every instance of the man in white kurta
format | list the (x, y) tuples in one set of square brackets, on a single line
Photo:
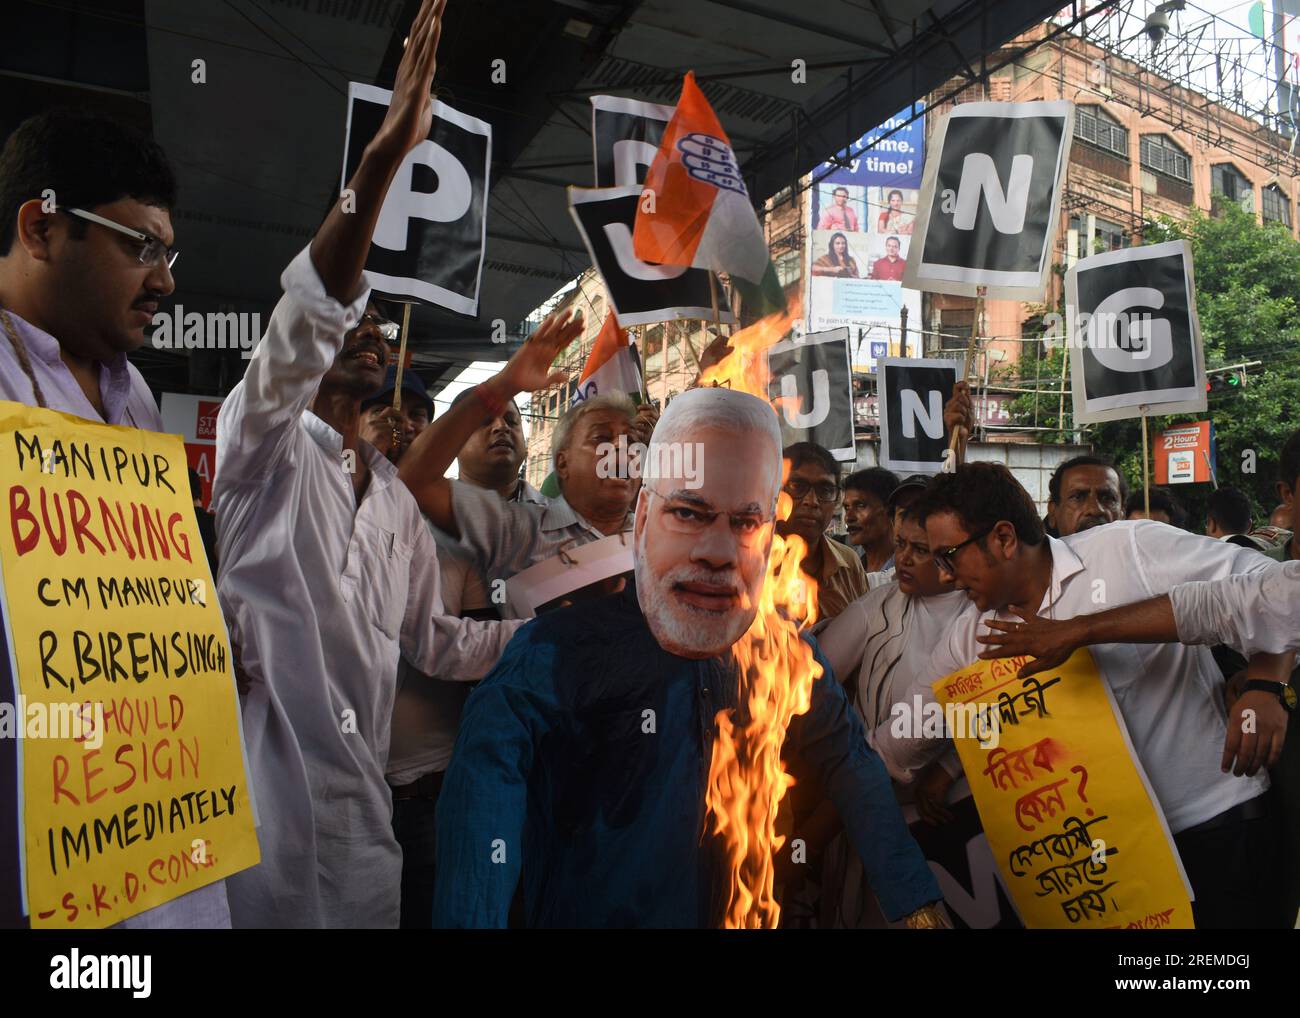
[(328, 571), (321, 595)]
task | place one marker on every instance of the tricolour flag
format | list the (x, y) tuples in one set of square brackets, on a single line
[(701, 214), (611, 366)]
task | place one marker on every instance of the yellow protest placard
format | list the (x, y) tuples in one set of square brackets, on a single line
[(132, 787), (1078, 837)]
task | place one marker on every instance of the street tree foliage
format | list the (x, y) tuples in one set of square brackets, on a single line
[(1248, 298)]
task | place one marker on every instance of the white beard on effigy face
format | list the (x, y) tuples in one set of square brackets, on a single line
[(684, 629)]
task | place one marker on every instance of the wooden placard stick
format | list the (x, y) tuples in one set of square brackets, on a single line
[(1146, 481), (959, 434), (401, 357)]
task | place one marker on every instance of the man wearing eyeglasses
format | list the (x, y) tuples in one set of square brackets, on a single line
[(986, 535), (584, 756), (85, 228), (81, 273), (814, 484)]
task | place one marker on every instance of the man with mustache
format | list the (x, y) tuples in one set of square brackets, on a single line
[(1084, 492), (507, 537), (494, 453), (79, 284), (867, 517), (814, 485), (584, 756), (328, 572)]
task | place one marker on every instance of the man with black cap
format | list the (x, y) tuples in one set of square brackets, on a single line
[(392, 430)]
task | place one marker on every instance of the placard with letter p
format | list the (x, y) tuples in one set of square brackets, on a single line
[(1134, 337), (429, 240), (911, 394)]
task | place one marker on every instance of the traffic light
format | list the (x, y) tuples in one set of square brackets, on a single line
[(1225, 380)]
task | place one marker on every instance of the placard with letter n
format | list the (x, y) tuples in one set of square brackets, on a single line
[(811, 385), (911, 394), (429, 240), (1135, 340), (991, 200)]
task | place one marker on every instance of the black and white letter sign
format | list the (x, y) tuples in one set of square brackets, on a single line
[(641, 293), (911, 396), (811, 386), (990, 200), (428, 243), (625, 136), (1134, 337)]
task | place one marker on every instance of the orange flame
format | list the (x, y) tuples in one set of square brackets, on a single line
[(746, 778)]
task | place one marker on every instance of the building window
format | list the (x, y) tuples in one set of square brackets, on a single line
[(1095, 126), (1160, 155), (1106, 236), (1275, 207), (1227, 180), (789, 266)]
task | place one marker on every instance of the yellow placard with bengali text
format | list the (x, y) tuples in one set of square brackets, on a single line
[(132, 787), (1079, 839)]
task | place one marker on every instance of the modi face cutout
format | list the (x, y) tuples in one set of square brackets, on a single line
[(704, 519)]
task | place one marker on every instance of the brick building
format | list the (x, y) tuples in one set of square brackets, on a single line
[(1144, 146)]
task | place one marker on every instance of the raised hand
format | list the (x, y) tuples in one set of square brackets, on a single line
[(530, 368), (410, 114)]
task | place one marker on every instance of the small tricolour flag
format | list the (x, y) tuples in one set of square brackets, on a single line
[(611, 366), (701, 215)]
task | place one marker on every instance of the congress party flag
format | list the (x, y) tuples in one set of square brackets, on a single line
[(612, 365), (701, 214)]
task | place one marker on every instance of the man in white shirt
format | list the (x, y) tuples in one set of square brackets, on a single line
[(986, 534), (327, 568)]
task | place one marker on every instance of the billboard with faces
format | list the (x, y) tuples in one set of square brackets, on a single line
[(861, 222)]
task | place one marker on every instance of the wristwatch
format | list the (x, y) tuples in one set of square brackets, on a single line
[(1282, 690)]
